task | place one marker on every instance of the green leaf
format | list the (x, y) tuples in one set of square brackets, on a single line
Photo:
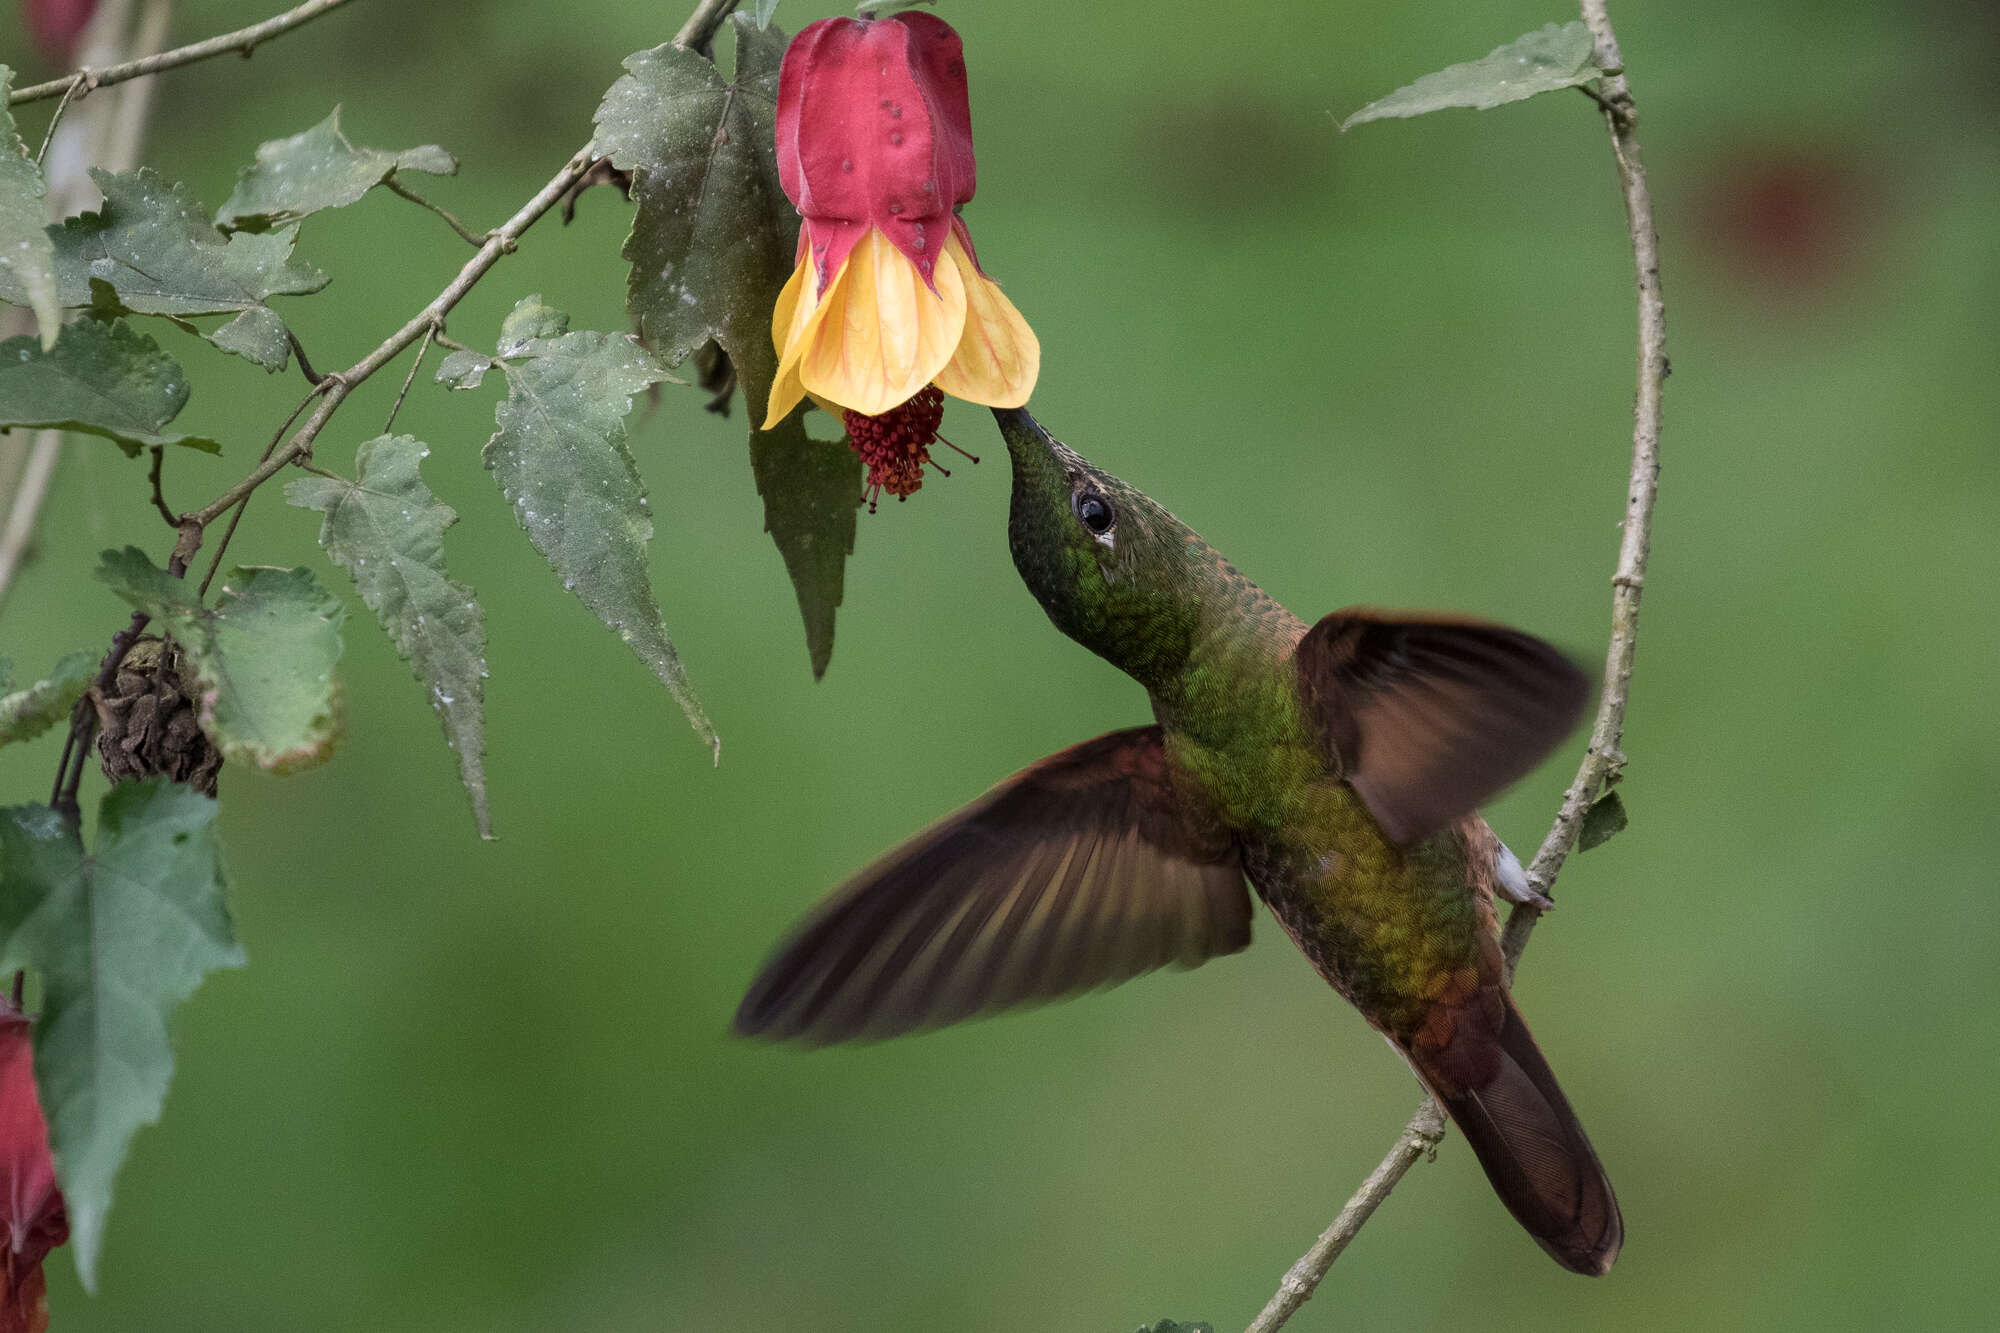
[(561, 460), (119, 936), (257, 335), (387, 530), (296, 177), (530, 320), (761, 12), (102, 379), (713, 238), (1540, 62), (713, 269), (28, 713), (150, 251), (27, 256), (1604, 821), (274, 637), (1174, 1326), (263, 656), (464, 370), (812, 492)]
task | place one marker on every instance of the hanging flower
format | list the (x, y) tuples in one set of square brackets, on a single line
[(888, 305), (31, 1207)]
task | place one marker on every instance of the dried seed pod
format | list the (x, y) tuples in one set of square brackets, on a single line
[(147, 720)]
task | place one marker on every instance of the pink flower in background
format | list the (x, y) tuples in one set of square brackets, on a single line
[(33, 1207), (57, 25)]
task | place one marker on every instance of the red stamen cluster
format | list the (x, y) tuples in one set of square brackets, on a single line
[(896, 445)]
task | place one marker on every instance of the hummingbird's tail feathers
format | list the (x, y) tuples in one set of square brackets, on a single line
[(1083, 870), (1427, 716), (1535, 1153)]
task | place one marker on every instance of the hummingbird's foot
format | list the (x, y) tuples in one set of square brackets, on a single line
[(1512, 881)]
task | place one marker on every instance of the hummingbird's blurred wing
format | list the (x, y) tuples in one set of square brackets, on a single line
[(1082, 870), (1428, 716)]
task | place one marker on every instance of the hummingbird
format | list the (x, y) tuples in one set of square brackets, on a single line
[(1336, 767)]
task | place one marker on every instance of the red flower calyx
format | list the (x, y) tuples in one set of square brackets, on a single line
[(875, 130)]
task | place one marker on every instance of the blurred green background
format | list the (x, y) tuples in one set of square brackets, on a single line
[(489, 1087)]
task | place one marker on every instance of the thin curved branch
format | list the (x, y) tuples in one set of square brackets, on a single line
[(1604, 761), (1419, 1138), (501, 242), (243, 41)]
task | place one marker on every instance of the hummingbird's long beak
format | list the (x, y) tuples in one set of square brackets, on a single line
[(1020, 429), (1043, 465)]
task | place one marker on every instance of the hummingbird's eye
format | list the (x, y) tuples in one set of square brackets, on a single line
[(1094, 511)]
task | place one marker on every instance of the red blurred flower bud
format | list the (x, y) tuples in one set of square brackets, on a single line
[(875, 148), (34, 1216), (57, 25)]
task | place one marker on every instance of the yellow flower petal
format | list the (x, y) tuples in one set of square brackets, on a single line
[(790, 317), (882, 333), (786, 320), (998, 357)]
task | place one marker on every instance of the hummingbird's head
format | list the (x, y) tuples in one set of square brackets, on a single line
[(1114, 570)]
